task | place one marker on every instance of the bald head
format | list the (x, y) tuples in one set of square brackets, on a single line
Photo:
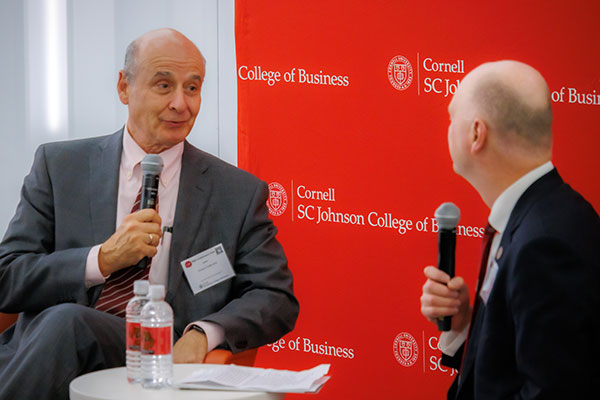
[(500, 126), (161, 86), (163, 36), (514, 99)]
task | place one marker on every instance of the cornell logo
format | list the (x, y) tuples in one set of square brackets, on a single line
[(400, 73), (406, 349), (278, 201)]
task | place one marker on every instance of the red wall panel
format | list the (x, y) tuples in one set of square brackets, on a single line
[(382, 152)]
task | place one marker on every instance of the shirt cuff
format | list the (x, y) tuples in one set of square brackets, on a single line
[(215, 334), (93, 276), (451, 341)]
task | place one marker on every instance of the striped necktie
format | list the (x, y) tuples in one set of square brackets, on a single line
[(118, 289)]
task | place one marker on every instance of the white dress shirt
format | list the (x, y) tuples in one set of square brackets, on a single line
[(450, 342)]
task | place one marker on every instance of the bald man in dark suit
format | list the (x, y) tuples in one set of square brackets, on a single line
[(533, 330)]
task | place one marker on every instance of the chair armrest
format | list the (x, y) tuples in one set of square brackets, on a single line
[(7, 320), (219, 356)]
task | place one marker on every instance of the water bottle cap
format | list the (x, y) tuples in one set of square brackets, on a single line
[(156, 292), (141, 287)]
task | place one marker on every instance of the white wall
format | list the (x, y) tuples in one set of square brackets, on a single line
[(41, 103), (15, 146)]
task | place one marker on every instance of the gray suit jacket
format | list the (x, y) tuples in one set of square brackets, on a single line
[(68, 204)]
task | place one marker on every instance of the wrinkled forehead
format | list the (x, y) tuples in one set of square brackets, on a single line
[(172, 65), (169, 74), (173, 49)]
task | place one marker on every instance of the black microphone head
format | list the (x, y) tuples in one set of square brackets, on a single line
[(152, 164), (447, 215)]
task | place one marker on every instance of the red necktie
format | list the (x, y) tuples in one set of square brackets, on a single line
[(118, 289), (486, 245)]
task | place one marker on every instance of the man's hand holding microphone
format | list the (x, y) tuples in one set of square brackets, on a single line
[(445, 298), (140, 233)]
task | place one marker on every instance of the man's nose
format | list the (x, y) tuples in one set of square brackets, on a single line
[(177, 102)]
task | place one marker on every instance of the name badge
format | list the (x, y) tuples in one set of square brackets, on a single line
[(208, 268), (488, 282)]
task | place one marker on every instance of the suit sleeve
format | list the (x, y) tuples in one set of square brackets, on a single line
[(552, 298), (455, 360), (33, 273), (265, 307)]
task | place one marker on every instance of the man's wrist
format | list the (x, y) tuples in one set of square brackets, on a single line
[(197, 328), (93, 275), (102, 263), (215, 335)]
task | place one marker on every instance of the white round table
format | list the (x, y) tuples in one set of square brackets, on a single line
[(111, 384)]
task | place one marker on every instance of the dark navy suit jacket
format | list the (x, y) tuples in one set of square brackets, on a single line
[(538, 336)]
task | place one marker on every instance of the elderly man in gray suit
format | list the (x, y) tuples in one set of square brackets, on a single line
[(74, 230)]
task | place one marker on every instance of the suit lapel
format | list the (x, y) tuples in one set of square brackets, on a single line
[(536, 191), (104, 163), (104, 185), (192, 199)]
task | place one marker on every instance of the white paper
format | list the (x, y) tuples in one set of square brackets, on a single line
[(234, 377), (207, 268)]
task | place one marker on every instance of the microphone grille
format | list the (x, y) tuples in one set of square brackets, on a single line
[(152, 164), (447, 215)]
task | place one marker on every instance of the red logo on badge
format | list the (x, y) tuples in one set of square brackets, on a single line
[(188, 264)]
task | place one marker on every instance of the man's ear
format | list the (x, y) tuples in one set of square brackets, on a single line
[(123, 88), (478, 135)]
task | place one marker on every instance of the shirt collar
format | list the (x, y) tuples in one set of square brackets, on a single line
[(504, 204), (133, 155)]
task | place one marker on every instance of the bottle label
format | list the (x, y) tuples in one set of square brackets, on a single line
[(134, 336), (156, 341)]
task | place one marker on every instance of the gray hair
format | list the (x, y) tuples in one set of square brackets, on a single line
[(130, 65)]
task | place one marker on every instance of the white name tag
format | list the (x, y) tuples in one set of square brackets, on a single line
[(207, 268)]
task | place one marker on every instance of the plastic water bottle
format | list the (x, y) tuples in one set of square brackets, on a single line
[(133, 330), (157, 340)]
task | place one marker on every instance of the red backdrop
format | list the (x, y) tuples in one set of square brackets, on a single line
[(356, 152)]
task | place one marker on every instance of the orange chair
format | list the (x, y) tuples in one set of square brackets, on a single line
[(218, 356), (7, 320), (213, 357)]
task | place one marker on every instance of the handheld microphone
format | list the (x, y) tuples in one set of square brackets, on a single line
[(152, 166), (447, 216)]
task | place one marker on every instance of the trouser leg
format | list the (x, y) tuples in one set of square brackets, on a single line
[(49, 349)]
